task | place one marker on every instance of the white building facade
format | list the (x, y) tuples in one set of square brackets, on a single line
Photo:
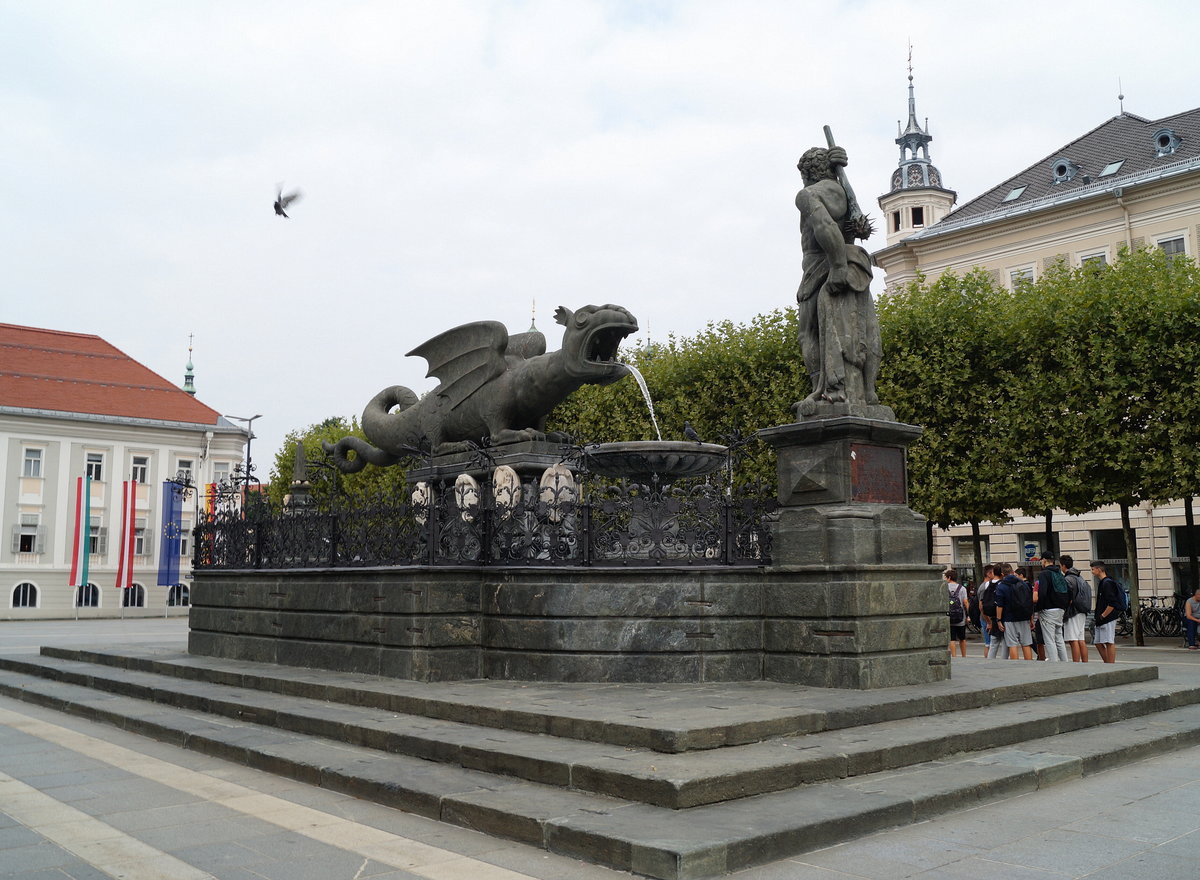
[(72, 405)]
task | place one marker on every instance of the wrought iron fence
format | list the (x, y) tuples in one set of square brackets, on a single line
[(581, 520)]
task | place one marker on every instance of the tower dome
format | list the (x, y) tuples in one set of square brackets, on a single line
[(916, 197)]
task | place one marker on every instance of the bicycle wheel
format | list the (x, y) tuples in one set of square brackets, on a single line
[(1124, 625), (1152, 622)]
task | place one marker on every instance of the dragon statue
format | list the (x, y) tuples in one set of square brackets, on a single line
[(493, 386)]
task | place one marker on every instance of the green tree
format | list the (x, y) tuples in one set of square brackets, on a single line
[(729, 377), (330, 487), (943, 368)]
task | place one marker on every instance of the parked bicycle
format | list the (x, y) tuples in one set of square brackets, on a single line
[(1161, 615)]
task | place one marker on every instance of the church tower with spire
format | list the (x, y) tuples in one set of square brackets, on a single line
[(917, 198), (189, 376)]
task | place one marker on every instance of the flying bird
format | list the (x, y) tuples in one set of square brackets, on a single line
[(689, 433), (282, 201)]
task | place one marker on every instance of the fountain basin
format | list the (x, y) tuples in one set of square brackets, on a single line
[(642, 460)]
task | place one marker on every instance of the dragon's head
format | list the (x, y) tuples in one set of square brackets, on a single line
[(591, 340)]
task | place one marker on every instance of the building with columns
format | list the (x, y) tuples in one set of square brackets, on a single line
[(72, 404), (1130, 182)]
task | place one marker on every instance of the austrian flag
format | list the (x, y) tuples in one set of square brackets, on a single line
[(81, 546), (125, 546)]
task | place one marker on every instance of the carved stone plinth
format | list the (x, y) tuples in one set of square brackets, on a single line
[(528, 458), (863, 608)]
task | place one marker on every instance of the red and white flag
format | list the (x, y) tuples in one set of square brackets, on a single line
[(82, 545), (125, 547)]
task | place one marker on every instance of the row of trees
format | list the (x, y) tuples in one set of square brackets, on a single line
[(1073, 392)]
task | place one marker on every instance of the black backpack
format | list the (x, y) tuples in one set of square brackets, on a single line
[(987, 599), (958, 614), (1022, 598)]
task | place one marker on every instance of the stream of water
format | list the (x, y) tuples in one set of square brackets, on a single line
[(641, 381)]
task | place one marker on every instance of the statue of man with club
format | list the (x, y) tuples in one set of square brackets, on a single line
[(839, 330)]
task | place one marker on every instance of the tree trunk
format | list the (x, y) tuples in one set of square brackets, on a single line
[(1189, 517), (977, 541), (1131, 559), (929, 539), (1048, 538)]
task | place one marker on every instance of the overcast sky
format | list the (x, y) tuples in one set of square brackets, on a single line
[(461, 160)]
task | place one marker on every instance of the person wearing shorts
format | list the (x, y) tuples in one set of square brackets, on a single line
[(958, 633), (1075, 624), (1107, 603), (1014, 608)]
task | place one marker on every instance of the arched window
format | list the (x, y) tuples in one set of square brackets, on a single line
[(178, 596), (133, 597), (25, 595), (87, 596)]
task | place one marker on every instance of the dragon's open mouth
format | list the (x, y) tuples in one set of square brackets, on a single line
[(602, 343)]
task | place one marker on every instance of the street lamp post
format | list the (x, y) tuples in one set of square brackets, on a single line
[(249, 436)]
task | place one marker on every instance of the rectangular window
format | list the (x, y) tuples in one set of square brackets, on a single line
[(184, 471), (28, 535), (918, 215), (185, 536), (141, 543), (140, 469), (1024, 275), (1180, 545), (1094, 260), (895, 221), (95, 466), (220, 472), (97, 538), (1108, 546), (1032, 544), (1172, 247), (33, 463)]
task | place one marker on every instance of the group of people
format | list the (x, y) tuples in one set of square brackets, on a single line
[(1049, 611)]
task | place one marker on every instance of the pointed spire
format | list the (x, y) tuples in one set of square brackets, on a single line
[(914, 127), (533, 317), (189, 375)]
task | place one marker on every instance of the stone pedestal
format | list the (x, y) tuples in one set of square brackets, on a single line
[(862, 608), (529, 459)]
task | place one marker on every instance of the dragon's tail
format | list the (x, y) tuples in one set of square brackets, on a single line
[(364, 454)]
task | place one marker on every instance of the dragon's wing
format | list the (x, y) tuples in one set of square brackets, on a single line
[(465, 358), (525, 345)]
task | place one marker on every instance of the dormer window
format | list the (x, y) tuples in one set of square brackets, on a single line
[(1166, 142), (1063, 169)]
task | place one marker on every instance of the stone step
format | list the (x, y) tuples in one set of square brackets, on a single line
[(676, 781), (685, 844), (663, 718)]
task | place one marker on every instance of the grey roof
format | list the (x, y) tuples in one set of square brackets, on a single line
[(1125, 137)]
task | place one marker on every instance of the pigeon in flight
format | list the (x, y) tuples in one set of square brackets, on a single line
[(689, 433), (282, 201)]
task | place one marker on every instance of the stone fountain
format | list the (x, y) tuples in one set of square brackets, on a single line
[(501, 583)]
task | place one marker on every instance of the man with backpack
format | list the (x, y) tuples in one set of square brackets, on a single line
[(993, 639), (1110, 602), (1075, 622), (958, 612), (1014, 609), (1051, 596)]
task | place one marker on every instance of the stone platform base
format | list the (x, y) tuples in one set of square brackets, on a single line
[(670, 781), (832, 626)]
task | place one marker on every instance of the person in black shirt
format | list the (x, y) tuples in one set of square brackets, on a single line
[(1108, 604)]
